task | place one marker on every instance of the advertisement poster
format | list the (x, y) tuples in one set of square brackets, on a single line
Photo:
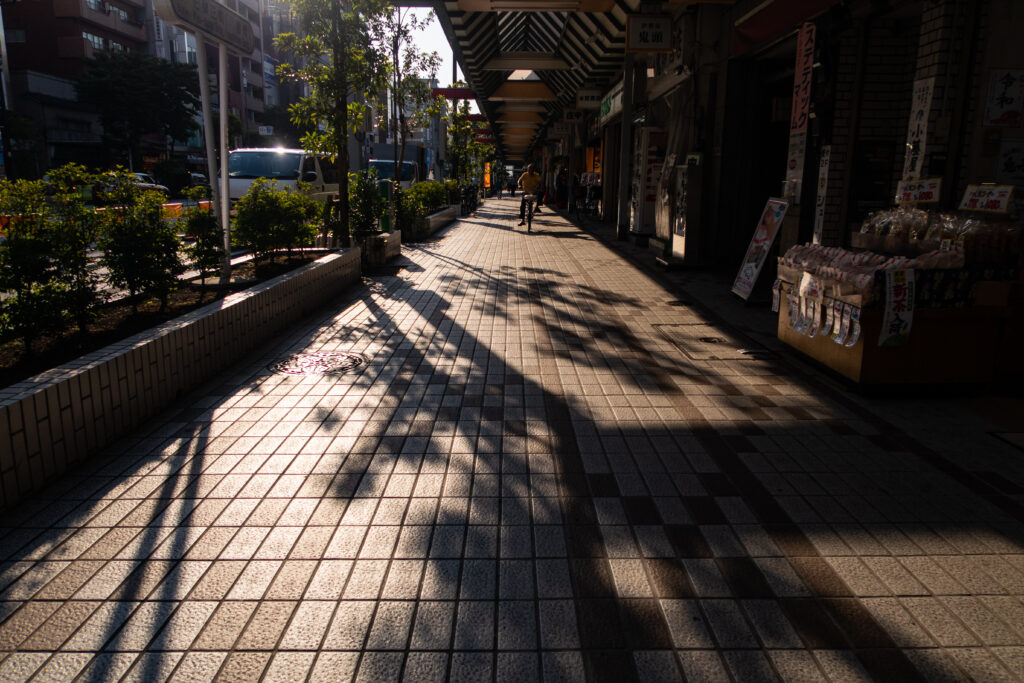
[(917, 128), (802, 80), (1004, 106), (760, 244), (899, 308), (924, 191), (987, 198)]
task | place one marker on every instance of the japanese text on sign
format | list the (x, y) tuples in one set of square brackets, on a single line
[(987, 198), (918, 191), (917, 127), (802, 78), (1004, 106), (899, 308), (649, 33)]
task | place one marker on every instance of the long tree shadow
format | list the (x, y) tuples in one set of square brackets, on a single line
[(566, 501)]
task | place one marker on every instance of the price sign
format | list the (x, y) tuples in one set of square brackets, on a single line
[(987, 198), (921, 191)]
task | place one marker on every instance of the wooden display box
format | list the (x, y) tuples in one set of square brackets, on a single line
[(947, 346)]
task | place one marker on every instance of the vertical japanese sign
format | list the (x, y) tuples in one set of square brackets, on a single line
[(917, 128), (757, 252), (1010, 164), (899, 308), (800, 113), (819, 199), (1004, 106)]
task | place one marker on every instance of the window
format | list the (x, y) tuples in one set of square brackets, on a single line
[(264, 164), (94, 5), (15, 35), (116, 47), (95, 40)]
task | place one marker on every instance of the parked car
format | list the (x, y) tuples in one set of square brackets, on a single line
[(102, 191), (147, 182), (285, 166)]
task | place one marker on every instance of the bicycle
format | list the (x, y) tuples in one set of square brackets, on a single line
[(531, 200)]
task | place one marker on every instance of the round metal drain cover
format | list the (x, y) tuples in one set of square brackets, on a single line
[(712, 340), (322, 363)]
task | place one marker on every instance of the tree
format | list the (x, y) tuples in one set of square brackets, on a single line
[(340, 65), (140, 249), (467, 156), (28, 266), (75, 228), (409, 74), (136, 95)]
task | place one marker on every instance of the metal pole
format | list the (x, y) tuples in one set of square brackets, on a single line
[(209, 137), (626, 147), (5, 98), (225, 212)]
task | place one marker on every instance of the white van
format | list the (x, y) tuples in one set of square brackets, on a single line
[(385, 169), (286, 166)]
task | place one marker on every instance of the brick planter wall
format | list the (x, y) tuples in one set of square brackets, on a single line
[(68, 413)]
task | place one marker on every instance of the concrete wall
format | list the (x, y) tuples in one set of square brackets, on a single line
[(69, 413)]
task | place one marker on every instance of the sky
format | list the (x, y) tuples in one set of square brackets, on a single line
[(433, 40)]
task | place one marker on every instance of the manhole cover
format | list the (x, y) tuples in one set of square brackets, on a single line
[(323, 363)]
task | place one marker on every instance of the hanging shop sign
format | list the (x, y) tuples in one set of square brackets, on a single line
[(987, 198), (588, 98), (1004, 106), (767, 227), (649, 33), (917, 128), (800, 113), (899, 308), (822, 195), (611, 104), (573, 115), (923, 191), (212, 19)]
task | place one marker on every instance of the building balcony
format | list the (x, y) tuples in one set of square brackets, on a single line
[(77, 9), (253, 103)]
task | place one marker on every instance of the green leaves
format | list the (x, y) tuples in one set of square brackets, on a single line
[(136, 94), (269, 218)]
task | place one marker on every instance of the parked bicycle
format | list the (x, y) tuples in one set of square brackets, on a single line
[(469, 200)]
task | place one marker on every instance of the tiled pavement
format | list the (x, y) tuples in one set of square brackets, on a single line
[(527, 481)]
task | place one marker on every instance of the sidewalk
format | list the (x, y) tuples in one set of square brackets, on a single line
[(540, 472)]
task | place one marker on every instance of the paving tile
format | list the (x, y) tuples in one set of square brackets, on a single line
[(308, 625), (350, 625), (428, 667), (225, 625), (334, 666), (433, 625)]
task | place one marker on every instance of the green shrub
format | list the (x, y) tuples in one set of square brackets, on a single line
[(365, 204), (29, 268), (76, 228), (140, 248), (430, 195), (202, 226), (269, 218)]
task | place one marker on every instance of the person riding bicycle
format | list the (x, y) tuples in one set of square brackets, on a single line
[(529, 182)]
